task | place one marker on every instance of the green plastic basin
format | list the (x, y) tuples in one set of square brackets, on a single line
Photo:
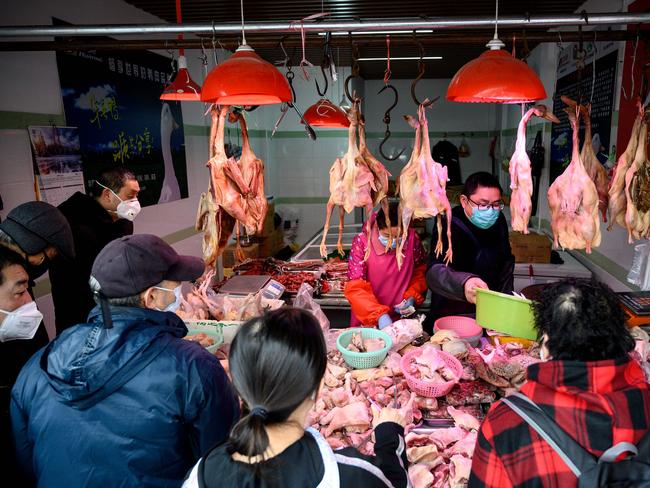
[(505, 313)]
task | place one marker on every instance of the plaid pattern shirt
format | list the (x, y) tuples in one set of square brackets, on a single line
[(598, 404)]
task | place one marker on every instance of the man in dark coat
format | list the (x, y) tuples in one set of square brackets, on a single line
[(95, 220), (124, 400), (482, 257), (39, 235)]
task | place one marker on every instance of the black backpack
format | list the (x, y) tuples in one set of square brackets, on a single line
[(633, 471)]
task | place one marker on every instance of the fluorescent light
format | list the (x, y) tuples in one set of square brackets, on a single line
[(405, 58), (369, 33)]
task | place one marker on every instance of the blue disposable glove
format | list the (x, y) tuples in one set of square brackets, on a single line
[(384, 321), (400, 308)]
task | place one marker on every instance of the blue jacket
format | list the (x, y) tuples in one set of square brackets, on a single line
[(134, 405)]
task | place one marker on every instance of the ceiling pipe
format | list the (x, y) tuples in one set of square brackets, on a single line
[(269, 42), (432, 23)]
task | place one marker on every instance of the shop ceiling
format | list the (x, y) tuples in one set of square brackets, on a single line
[(458, 32)]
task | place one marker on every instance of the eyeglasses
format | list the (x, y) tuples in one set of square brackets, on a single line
[(483, 207)]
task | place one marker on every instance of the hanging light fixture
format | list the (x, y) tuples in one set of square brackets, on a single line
[(245, 79), (324, 113), (495, 77), (183, 87)]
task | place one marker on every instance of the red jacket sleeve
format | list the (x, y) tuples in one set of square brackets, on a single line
[(417, 288), (364, 303)]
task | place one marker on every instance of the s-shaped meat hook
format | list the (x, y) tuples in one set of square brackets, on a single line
[(387, 122), (426, 102), (354, 73)]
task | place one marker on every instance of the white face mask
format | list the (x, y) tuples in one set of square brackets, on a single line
[(172, 307), (21, 324), (126, 209)]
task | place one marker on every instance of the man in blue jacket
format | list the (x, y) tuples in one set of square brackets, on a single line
[(123, 400)]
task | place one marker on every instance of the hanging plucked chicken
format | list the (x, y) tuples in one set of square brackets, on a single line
[(637, 190), (573, 201), (422, 188), (521, 180), (617, 204)]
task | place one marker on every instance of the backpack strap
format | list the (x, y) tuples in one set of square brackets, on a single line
[(610, 455), (576, 458)]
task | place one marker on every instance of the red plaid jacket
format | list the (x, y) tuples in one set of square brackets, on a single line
[(598, 403)]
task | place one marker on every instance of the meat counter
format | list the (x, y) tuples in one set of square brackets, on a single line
[(337, 308)]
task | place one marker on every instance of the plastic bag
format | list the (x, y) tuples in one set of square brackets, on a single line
[(404, 331), (638, 271), (305, 300)]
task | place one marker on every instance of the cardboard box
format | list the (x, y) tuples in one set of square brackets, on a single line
[(228, 256), (269, 225), (269, 245), (530, 248)]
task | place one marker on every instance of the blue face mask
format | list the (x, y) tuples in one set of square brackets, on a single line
[(484, 219), (384, 241)]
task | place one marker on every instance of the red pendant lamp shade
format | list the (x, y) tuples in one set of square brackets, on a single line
[(183, 87), (245, 79), (325, 114), (495, 77)]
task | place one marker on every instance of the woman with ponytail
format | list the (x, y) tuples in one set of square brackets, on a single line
[(277, 363)]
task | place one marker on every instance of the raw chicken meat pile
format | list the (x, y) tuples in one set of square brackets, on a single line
[(359, 344), (438, 457)]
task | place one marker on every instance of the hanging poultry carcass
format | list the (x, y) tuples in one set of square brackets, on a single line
[(226, 195), (380, 191), (351, 183), (594, 168), (637, 190), (573, 201), (521, 180), (422, 188), (252, 169), (617, 202)]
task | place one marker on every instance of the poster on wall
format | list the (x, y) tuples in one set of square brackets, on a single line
[(596, 85), (113, 99), (58, 168)]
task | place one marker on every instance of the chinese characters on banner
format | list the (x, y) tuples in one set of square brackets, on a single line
[(57, 163), (602, 101), (113, 99)]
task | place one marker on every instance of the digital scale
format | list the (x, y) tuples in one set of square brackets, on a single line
[(636, 305)]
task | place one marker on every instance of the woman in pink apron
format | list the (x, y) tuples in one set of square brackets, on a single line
[(377, 290)]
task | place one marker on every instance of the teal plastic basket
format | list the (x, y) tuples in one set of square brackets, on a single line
[(363, 360)]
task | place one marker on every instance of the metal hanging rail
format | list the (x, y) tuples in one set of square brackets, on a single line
[(433, 23), (85, 44)]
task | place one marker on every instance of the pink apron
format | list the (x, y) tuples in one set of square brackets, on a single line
[(388, 283)]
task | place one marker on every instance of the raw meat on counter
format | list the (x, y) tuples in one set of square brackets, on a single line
[(521, 179), (573, 199), (422, 188), (430, 366), (203, 339), (293, 281)]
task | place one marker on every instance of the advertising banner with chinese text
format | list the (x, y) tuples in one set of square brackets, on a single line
[(113, 99)]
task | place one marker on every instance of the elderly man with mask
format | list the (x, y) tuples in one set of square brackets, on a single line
[(19, 320), (123, 400)]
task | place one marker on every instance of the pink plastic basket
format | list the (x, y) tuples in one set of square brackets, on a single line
[(428, 388), (466, 328)]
